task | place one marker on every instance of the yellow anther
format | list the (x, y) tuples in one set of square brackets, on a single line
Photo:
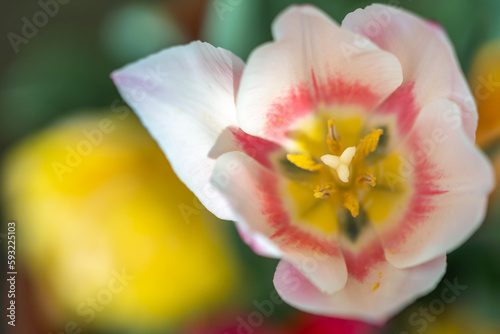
[(372, 180), (333, 138), (331, 123), (366, 180), (340, 164), (368, 144), (351, 203), (375, 286), (304, 161), (323, 191)]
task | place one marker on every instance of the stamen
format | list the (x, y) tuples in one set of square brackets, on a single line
[(351, 203), (333, 138), (323, 192), (304, 161), (366, 180), (368, 144), (340, 164)]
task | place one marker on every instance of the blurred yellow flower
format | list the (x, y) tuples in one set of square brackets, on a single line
[(460, 320), (484, 79), (108, 232)]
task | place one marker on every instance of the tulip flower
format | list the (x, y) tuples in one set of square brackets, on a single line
[(458, 320), (346, 151), (484, 79), (109, 232)]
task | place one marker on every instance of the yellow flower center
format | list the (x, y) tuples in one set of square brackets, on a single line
[(344, 173)]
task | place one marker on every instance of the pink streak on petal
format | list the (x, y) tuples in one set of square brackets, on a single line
[(255, 147), (278, 218), (360, 263), (301, 100), (401, 103), (421, 203)]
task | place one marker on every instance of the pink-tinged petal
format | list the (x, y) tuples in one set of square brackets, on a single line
[(311, 64), (451, 181), (430, 67), (328, 272), (375, 290), (185, 96), (254, 193), (257, 242), (396, 114), (235, 139), (260, 209)]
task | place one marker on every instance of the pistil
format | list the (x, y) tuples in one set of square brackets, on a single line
[(340, 164)]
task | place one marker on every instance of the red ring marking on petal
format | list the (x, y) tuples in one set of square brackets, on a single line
[(255, 147), (421, 205), (360, 263), (279, 219), (271, 201), (401, 103), (304, 98)]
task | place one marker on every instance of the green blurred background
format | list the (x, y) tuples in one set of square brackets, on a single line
[(112, 242)]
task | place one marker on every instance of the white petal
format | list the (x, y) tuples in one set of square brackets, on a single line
[(185, 96), (430, 68), (375, 290), (311, 63), (262, 210), (257, 242), (451, 180)]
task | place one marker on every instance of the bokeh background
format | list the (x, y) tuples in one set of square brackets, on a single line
[(109, 241)]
